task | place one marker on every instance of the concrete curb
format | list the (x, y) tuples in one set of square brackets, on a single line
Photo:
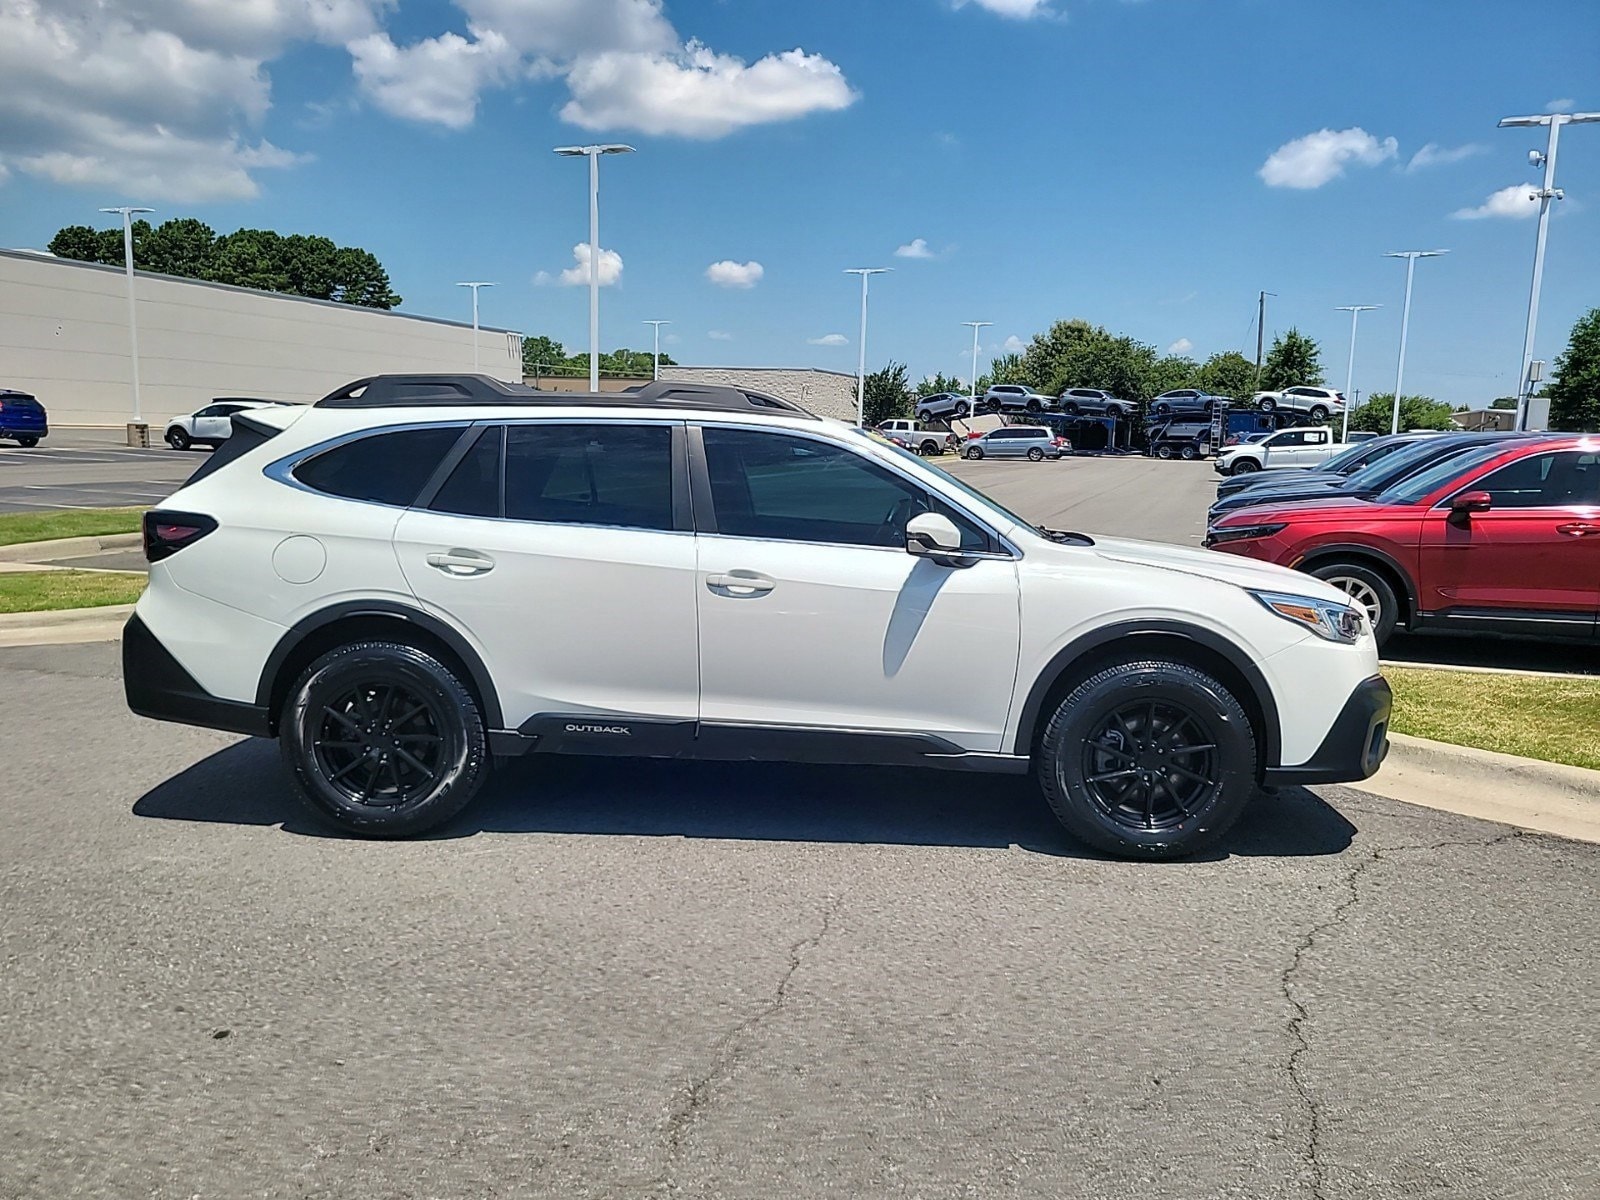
[(78, 547), (1544, 797), (64, 626)]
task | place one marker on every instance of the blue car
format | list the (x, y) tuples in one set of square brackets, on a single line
[(22, 418)]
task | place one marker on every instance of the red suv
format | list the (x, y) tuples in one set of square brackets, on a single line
[(1502, 539)]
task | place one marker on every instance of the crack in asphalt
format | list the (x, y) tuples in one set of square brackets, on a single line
[(1297, 1023), (727, 1052)]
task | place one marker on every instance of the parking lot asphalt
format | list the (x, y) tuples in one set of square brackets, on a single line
[(89, 468), (615, 979)]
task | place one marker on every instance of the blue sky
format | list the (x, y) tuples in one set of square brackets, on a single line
[(1146, 165)]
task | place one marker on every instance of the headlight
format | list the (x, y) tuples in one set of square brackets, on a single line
[(1238, 533), (1328, 619)]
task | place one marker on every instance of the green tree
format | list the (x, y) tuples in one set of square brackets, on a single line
[(1293, 360), (1228, 374), (541, 354), (1076, 354), (1575, 390), (886, 395), (1503, 402), (182, 247), (1004, 368), (77, 242), (1168, 372), (359, 278), (940, 382), (1416, 412)]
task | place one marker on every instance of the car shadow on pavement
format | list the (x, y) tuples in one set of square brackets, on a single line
[(245, 785)]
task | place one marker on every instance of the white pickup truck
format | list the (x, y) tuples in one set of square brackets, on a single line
[(1300, 447)]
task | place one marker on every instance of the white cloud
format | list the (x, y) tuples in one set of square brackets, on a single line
[(1435, 155), (1565, 104), (1181, 346), (719, 335), (437, 79), (1317, 158), (564, 28), (915, 248), (698, 93), (829, 339), (1514, 201), (1020, 10), (1014, 345), (730, 274), (577, 275)]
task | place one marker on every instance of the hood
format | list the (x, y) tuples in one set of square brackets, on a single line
[(1209, 564), (1275, 508)]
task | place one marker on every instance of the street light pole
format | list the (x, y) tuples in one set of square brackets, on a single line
[(1411, 257), (133, 323), (1355, 311), (861, 365), (475, 285), (976, 325), (1547, 193), (593, 153), (655, 372)]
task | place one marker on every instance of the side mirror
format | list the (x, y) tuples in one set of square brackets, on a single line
[(1470, 502), (932, 535)]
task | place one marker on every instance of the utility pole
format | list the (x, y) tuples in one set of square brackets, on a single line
[(1411, 257), (1261, 328), (866, 273), (1544, 195), (972, 403), (655, 371), (593, 153), (475, 285), (1355, 311), (128, 211)]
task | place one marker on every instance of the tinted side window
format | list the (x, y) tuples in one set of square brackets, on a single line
[(385, 468), (473, 489), (767, 485), (1291, 438), (1544, 481), (590, 474)]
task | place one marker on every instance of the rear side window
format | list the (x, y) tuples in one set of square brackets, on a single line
[(473, 489), (385, 468), (599, 474)]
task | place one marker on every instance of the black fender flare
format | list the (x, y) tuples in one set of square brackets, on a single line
[(390, 610), (1080, 647), (1362, 550)]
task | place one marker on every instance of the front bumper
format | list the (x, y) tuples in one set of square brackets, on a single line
[(157, 686), (1355, 746)]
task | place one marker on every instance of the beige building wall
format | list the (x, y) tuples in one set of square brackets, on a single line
[(64, 337), (826, 393)]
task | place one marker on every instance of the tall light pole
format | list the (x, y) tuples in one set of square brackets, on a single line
[(655, 371), (475, 285), (133, 323), (866, 273), (1261, 329), (593, 153), (1411, 257), (1355, 311), (1545, 194), (976, 325)]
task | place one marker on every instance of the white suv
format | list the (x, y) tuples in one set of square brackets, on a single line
[(211, 425), (420, 574), (1318, 403)]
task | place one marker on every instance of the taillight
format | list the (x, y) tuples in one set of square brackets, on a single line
[(165, 533)]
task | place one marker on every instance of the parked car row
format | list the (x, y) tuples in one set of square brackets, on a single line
[(1478, 532), (1316, 403)]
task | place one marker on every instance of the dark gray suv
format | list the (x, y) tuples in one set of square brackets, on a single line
[(1094, 402)]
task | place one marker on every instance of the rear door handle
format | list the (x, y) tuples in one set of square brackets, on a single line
[(1579, 529), (741, 583), (461, 562)]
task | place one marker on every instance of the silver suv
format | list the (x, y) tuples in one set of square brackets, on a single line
[(1015, 397), (1093, 400), (1017, 441), (941, 405)]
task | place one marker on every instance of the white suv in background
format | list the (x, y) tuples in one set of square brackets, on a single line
[(1318, 403), (211, 425), (420, 574)]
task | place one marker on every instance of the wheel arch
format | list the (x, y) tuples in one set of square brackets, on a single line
[(1173, 640), (364, 620), (1370, 556)]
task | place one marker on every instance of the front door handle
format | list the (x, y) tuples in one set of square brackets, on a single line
[(741, 583), (1579, 529), (461, 563)]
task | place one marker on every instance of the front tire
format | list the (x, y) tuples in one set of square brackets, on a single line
[(28, 443), (178, 439), (1149, 760), (962, 410), (1268, 404), (1245, 466), (382, 740), (974, 453), (1370, 591), (1318, 415), (1161, 409)]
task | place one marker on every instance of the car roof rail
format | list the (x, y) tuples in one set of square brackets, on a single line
[(429, 391)]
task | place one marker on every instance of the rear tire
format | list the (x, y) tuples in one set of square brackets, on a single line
[(1319, 414), (974, 453), (27, 443), (1148, 760), (382, 740), (1035, 455), (1070, 408), (1031, 406), (1163, 451), (1161, 409), (178, 439), (1189, 453), (1370, 591), (962, 410), (1268, 404)]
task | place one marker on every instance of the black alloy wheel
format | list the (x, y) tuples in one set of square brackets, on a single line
[(1245, 466), (1148, 760), (1071, 408), (1032, 406), (178, 439), (382, 739)]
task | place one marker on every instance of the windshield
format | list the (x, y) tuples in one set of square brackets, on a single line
[(1389, 470), (1341, 462), (1425, 482), (985, 501)]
